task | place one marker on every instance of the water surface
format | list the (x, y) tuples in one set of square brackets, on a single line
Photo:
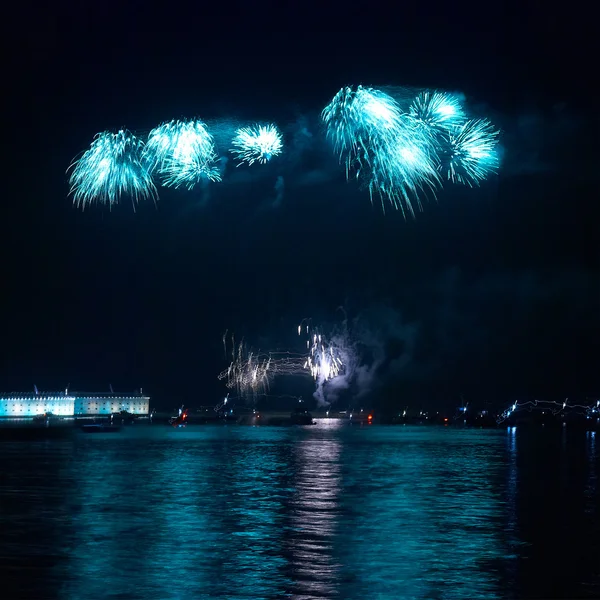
[(327, 511)]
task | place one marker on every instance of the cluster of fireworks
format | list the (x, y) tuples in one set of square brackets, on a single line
[(397, 149), (251, 373), (177, 153), (553, 408), (400, 152)]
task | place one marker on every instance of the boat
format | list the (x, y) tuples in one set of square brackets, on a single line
[(180, 420), (302, 417)]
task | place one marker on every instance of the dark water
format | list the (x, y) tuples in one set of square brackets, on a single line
[(316, 512)]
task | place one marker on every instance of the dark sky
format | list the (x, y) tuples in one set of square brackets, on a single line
[(492, 292)]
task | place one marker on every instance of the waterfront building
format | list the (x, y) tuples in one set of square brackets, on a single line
[(72, 404)]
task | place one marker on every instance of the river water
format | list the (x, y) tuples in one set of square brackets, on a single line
[(328, 511)]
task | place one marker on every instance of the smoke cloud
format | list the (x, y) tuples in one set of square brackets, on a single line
[(504, 333)]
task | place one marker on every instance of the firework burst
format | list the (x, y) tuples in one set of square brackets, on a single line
[(182, 153), (400, 156), (259, 143), (324, 361), (382, 145), (112, 167), (438, 110), (471, 152)]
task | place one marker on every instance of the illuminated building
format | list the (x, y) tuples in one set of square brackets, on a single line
[(69, 404)]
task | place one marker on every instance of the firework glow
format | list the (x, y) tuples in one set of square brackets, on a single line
[(258, 144), (182, 153), (112, 167)]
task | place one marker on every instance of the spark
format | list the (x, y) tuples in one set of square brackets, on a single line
[(183, 153), (258, 143), (111, 168)]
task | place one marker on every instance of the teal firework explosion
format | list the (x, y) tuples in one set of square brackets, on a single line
[(182, 153), (401, 155), (112, 167), (259, 144)]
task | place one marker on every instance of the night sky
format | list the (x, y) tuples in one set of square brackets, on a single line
[(493, 293)]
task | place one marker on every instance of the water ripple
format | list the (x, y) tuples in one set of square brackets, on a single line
[(314, 512)]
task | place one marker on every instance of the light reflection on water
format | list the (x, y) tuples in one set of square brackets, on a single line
[(313, 512)]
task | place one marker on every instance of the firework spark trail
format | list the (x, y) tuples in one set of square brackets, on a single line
[(251, 373), (247, 373), (182, 153), (258, 144), (111, 168)]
